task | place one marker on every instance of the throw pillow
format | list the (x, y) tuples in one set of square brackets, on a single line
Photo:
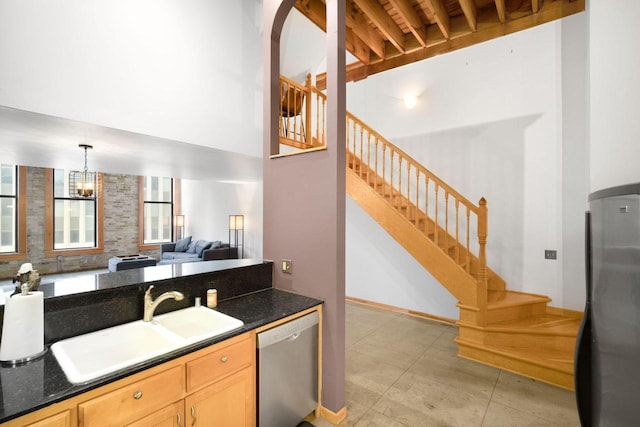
[(192, 247), (201, 245), (183, 244), (215, 244)]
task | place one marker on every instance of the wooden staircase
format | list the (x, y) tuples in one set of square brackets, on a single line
[(447, 235)]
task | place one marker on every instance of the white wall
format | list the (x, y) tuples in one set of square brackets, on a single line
[(187, 71), (614, 93), (489, 122), (379, 269), (208, 204)]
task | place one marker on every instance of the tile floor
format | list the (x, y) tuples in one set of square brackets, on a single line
[(403, 371)]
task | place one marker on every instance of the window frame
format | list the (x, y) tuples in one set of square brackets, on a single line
[(49, 251), (21, 203), (176, 210)]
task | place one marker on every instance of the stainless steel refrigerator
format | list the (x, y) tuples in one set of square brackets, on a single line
[(607, 358)]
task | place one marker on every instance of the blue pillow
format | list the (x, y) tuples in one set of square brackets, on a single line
[(201, 245), (192, 247), (182, 244)]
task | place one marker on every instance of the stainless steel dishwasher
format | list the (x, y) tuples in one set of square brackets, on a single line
[(288, 372)]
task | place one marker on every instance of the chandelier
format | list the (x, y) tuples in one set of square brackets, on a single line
[(83, 184)]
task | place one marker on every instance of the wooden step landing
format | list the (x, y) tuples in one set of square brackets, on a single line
[(510, 305), (550, 366)]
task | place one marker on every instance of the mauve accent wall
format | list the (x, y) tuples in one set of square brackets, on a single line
[(304, 198)]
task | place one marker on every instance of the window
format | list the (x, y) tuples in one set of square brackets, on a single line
[(157, 210), (74, 226), (8, 209)]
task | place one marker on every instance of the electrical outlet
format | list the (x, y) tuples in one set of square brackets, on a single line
[(286, 266), (550, 254)]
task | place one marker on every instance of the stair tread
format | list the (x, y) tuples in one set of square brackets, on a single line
[(555, 359), (497, 299), (545, 323)]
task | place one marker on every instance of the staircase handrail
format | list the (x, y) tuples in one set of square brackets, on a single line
[(415, 164), (380, 148)]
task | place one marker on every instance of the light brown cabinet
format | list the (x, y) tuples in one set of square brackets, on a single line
[(59, 420), (170, 416), (224, 403)]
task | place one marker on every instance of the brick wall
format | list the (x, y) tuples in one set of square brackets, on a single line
[(120, 227)]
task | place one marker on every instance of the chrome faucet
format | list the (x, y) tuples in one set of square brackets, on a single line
[(150, 305)]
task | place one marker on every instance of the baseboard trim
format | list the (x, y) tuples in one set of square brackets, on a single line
[(334, 418), (401, 310)]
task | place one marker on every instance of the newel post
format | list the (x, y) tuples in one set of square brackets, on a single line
[(482, 273), (307, 111)]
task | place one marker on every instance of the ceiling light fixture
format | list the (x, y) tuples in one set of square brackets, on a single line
[(410, 100), (83, 184)]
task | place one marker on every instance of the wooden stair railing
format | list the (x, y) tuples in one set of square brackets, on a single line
[(302, 109), (448, 218)]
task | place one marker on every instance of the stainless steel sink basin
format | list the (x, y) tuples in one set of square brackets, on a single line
[(96, 354)]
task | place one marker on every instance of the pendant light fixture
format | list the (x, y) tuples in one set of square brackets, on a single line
[(83, 184)]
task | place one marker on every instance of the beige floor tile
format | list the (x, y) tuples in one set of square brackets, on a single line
[(503, 416), (375, 419), (385, 353), (447, 368), (418, 401), (536, 398)]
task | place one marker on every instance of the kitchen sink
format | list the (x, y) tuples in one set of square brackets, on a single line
[(96, 354), (197, 323)]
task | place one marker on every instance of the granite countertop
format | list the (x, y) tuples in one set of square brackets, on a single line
[(40, 383)]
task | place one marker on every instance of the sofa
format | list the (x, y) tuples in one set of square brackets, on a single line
[(190, 250)]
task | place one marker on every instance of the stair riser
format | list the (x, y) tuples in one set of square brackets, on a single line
[(521, 340), (515, 312), (520, 367)]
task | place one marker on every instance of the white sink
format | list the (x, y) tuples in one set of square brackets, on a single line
[(93, 355), (197, 323)]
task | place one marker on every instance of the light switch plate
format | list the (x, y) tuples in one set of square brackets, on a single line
[(550, 254), (286, 266)]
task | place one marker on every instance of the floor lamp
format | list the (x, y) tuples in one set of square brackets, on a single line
[(236, 230), (179, 222)]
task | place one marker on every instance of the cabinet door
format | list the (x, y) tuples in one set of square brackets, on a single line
[(229, 402), (171, 416), (60, 420)]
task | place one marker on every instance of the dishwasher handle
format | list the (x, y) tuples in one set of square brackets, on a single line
[(289, 331)]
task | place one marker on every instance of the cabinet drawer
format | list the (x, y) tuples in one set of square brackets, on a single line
[(133, 401), (219, 363)]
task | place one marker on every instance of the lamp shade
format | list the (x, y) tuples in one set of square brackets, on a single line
[(179, 220), (236, 222)]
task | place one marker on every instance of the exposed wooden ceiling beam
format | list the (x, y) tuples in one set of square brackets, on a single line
[(315, 10), (502, 11), (470, 12), (411, 18), (363, 30), (383, 21), (535, 5), (437, 9), (550, 12)]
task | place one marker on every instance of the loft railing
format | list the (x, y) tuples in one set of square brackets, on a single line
[(444, 215), (302, 110)]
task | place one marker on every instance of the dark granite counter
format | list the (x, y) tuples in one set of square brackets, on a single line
[(40, 383)]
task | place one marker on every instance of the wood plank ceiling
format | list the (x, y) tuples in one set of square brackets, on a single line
[(385, 34)]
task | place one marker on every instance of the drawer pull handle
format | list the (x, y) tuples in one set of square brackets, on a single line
[(179, 420), (137, 395), (193, 415), (224, 359)]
